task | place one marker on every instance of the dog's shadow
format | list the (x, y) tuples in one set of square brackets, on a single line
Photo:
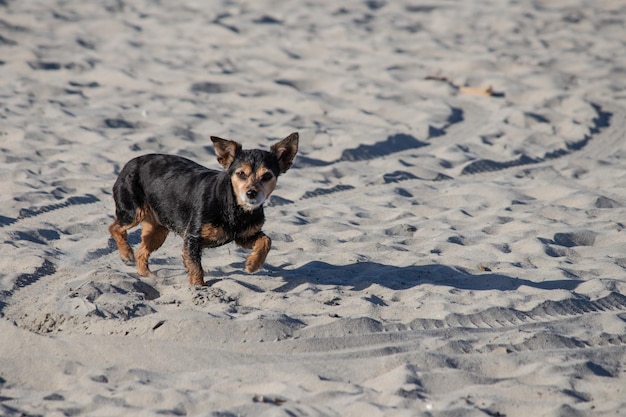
[(361, 275)]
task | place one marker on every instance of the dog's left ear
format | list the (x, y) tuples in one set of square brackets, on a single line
[(285, 151), (225, 150)]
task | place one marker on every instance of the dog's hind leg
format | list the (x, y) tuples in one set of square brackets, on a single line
[(129, 212), (152, 237), (119, 232)]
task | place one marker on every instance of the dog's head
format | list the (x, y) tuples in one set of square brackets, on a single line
[(253, 173)]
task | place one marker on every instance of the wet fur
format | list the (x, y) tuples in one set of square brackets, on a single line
[(208, 208)]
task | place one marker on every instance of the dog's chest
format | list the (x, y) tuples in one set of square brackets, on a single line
[(214, 236)]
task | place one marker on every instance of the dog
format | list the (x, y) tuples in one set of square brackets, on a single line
[(208, 208)]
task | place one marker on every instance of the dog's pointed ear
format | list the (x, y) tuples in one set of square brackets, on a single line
[(225, 150), (285, 151)]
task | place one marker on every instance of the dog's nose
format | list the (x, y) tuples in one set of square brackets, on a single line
[(251, 193)]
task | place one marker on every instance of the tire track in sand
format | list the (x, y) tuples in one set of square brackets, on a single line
[(32, 225), (609, 120)]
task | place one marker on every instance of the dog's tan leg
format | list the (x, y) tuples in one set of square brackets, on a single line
[(152, 237), (120, 235), (260, 244), (192, 260)]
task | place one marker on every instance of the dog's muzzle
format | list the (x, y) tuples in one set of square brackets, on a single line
[(253, 199)]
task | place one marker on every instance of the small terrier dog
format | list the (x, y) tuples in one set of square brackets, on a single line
[(208, 208)]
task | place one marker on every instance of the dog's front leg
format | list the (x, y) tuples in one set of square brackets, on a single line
[(192, 258), (260, 244)]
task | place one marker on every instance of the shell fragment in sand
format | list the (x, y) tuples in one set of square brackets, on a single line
[(477, 91)]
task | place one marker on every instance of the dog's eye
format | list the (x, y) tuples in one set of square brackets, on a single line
[(242, 175), (267, 176)]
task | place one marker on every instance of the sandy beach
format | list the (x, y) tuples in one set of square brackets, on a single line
[(449, 242)]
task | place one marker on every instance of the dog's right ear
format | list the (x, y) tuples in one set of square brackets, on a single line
[(225, 150), (285, 151)]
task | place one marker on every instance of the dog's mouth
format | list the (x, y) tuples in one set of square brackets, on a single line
[(252, 200)]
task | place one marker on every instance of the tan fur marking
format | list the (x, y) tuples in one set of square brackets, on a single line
[(152, 237), (241, 185), (266, 186), (196, 274), (260, 249), (119, 233), (211, 232)]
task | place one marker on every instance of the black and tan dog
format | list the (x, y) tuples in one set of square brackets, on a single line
[(207, 208)]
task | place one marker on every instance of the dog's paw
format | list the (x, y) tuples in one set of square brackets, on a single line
[(197, 282), (252, 267), (148, 274), (129, 259), (145, 272), (254, 262), (256, 259)]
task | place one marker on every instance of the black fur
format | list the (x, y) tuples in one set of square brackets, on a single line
[(171, 193), (185, 195)]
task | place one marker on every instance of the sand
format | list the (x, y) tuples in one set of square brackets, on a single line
[(449, 242)]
